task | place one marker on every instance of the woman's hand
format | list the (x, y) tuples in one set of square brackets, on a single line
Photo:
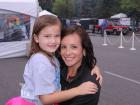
[(86, 88), (96, 70)]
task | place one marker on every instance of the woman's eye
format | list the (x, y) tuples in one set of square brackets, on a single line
[(74, 47), (62, 47)]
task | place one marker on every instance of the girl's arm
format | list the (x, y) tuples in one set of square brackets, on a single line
[(57, 97), (96, 70)]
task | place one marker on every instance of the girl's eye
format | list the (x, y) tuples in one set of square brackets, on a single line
[(57, 35), (46, 35)]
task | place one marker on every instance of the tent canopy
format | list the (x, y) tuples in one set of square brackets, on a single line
[(29, 7), (45, 12), (16, 22), (120, 15)]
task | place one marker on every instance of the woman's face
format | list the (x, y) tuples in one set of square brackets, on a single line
[(71, 50)]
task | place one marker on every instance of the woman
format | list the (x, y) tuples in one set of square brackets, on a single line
[(77, 61)]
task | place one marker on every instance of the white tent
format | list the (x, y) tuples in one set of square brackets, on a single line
[(120, 15), (45, 12), (29, 7), (16, 11)]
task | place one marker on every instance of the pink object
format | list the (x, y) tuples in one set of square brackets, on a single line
[(18, 101)]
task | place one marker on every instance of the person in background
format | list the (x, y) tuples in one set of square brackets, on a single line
[(104, 25)]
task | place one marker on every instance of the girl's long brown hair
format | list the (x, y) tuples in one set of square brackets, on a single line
[(40, 23)]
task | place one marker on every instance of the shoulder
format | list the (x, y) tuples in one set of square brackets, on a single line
[(86, 73), (57, 61), (39, 58), (38, 55)]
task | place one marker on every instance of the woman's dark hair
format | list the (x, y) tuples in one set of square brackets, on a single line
[(85, 42)]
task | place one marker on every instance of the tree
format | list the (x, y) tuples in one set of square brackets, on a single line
[(130, 4), (88, 7), (133, 10), (64, 8), (85, 8), (132, 7), (46, 4), (106, 8)]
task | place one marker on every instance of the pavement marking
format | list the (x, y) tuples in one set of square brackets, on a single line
[(122, 77)]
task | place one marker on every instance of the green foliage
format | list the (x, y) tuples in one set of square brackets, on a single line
[(107, 8), (91, 8), (87, 8), (132, 7), (63, 8), (46, 4), (130, 4)]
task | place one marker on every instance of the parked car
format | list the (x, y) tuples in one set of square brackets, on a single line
[(113, 28)]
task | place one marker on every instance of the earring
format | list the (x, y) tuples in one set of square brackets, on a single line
[(37, 41), (84, 53)]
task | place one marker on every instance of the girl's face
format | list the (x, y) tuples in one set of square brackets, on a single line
[(49, 38), (71, 50)]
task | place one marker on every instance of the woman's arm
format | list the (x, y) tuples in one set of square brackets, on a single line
[(96, 70), (57, 97)]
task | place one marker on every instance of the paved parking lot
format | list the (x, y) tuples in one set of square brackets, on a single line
[(120, 69)]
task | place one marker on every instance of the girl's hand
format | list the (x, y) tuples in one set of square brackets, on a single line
[(86, 88), (96, 70)]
